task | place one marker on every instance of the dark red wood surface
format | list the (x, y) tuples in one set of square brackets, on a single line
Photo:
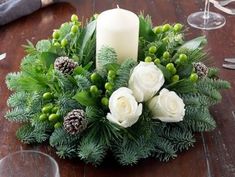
[(214, 153)]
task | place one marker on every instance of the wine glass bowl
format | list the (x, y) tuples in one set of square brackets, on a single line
[(206, 20), (28, 163)]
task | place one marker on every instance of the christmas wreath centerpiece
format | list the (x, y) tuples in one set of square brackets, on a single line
[(86, 91)]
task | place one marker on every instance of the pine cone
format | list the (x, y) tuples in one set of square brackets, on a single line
[(201, 69), (75, 121), (65, 65)]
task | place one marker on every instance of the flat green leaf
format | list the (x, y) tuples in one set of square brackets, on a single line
[(48, 58), (195, 43), (86, 35), (85, 98), (145, 29)]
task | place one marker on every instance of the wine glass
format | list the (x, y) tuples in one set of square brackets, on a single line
[(28, 163), (205, 19)]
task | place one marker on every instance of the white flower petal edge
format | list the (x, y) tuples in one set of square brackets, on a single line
[(145, 81), (124, 109), (167, 106)]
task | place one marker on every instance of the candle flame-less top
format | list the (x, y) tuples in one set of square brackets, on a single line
[(118, 29)]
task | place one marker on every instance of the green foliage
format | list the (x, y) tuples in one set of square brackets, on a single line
[(123, 73), (106, 55), (91, 152), (147, 137)]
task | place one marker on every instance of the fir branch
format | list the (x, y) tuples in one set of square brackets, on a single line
[(91, 152), (106, 55), (123, 74), (29, 48), (82, 82), (64, 151), (19, 114), (18, 99), (213, 72), (198, 119), (217, 84), (11, 80)]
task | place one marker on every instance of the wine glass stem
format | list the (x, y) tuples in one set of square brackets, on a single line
[(207, 9)]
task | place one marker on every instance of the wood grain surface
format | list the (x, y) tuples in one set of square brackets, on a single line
[(214, 153)]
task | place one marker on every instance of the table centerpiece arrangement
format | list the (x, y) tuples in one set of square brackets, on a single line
[(114, 85)]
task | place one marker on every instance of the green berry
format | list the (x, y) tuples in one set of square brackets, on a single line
[(58, 125), (170, 67), (47, 96), (111, 74), (43, 117), (53, 117), (177, 62), (153, 49), (55, 109), (165, 39), (74, 18), (105, 101), (173, 71), (46, 109), (56, 44), (56, 34), (74, 29), (175, 78), (166, 27), (94, 89), (183, 58), (148, 59), (108, 86), (64, 42), (94, 77), (178, 27), (157, 29), (194, 77), (166, 55), (157, 61)]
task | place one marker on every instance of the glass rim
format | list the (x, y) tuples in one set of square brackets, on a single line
[(36, 152)]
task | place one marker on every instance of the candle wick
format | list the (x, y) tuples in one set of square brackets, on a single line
[(117, 6)]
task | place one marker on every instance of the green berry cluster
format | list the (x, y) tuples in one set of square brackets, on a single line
[(177, 28), (102, 88), (63, 41), (50, 111)]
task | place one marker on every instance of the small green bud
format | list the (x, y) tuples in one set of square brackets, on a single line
[(165, 39), (108, 86), (157, 61), (56, 34), (178, 27), (166, 27), (46, 109), (55, 109), (58, 125), (94, 90), (183, 58), (111, 74), (64, 42), (56, 44), (53, 117), (105, 101), (43, 117), (148, 59), (175, 78), (153, 49), (166, 55), (95, 77), (47, 96), (74, 18), (193, 77), (157, 29), (74, 29), (170, 67)]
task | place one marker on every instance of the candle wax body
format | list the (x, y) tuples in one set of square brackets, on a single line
[(118, 29)]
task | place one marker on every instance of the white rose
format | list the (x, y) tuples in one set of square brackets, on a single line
[(145, 81), (167, 106), (124, 109)]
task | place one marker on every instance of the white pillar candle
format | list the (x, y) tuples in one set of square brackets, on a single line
[(118, 29)]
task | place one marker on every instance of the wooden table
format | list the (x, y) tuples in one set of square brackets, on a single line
[(214, 152)]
